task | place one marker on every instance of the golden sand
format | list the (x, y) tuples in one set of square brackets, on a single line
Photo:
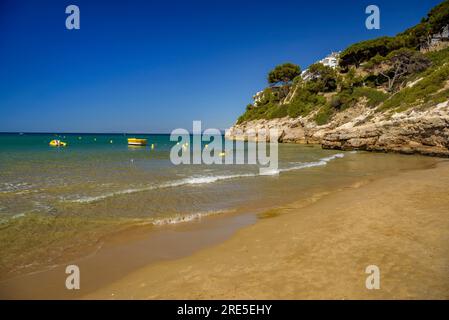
[(320, 250)]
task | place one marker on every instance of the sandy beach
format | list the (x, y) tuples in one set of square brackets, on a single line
[(320, 249)]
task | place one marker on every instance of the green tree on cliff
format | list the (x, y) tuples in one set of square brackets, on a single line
[(284, 73), (402, 63), (322, 78)]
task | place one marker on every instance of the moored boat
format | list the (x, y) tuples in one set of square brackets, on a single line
[(57, 143), (137, 142)]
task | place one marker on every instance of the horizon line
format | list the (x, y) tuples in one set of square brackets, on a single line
[(62, 132)]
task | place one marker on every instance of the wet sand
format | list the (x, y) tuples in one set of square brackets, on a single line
[(123, 253), (320, 249)]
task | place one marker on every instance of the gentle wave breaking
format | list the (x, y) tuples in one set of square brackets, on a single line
[(179, 183), (17, 188), (186, 218), (319, 163), (198, 180)]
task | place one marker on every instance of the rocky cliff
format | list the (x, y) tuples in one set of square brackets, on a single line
[(361, 128), (388, 94)]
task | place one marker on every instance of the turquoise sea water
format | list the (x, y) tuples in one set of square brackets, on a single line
[(126, 181), (58, 200)]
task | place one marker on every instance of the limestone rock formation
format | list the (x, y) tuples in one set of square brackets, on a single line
[(414, 131)]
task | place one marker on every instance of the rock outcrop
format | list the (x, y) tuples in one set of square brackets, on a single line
[(414, 131)]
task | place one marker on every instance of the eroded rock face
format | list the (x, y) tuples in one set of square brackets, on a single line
[(423, 132)]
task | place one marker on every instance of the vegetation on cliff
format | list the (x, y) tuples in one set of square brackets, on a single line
[(387, 73)]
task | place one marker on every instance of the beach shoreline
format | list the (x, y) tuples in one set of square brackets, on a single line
[(126, 253), (320, 250)]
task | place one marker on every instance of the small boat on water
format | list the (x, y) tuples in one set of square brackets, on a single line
[(137, 142), (57, 143)]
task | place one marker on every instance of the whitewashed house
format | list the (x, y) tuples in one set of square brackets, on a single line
[(330, 60), (258, 97)]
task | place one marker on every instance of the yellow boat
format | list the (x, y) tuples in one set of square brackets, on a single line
[(57, 143), (137, 142)]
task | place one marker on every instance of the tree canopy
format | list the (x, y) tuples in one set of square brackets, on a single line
[(365, 50), (322, 78), (283, 73), (438, 17), (401, 63), (412, 38)]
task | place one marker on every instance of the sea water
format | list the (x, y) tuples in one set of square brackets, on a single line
[(56, 201)]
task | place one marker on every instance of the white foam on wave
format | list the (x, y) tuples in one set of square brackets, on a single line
[(186, 218), (319, 163), (178, 183), (198, 180), (17, 188), (335, 156), (305, 166), (207, 179)]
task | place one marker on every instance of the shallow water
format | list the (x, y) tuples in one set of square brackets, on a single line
[(56, 203)]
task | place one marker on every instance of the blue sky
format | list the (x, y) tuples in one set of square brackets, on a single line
[(152, 66)]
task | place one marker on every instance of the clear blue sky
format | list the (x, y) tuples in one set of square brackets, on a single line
[(152, 66)]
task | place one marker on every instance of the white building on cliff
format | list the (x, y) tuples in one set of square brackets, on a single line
[(258, 97), (330, 60)]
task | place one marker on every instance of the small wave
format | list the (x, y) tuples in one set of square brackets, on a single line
[(209, 179), (18, 188), (179, 183), (335, 156), (305, 166), (198, 180), (91, 199), (319, 163), (186, 218)]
